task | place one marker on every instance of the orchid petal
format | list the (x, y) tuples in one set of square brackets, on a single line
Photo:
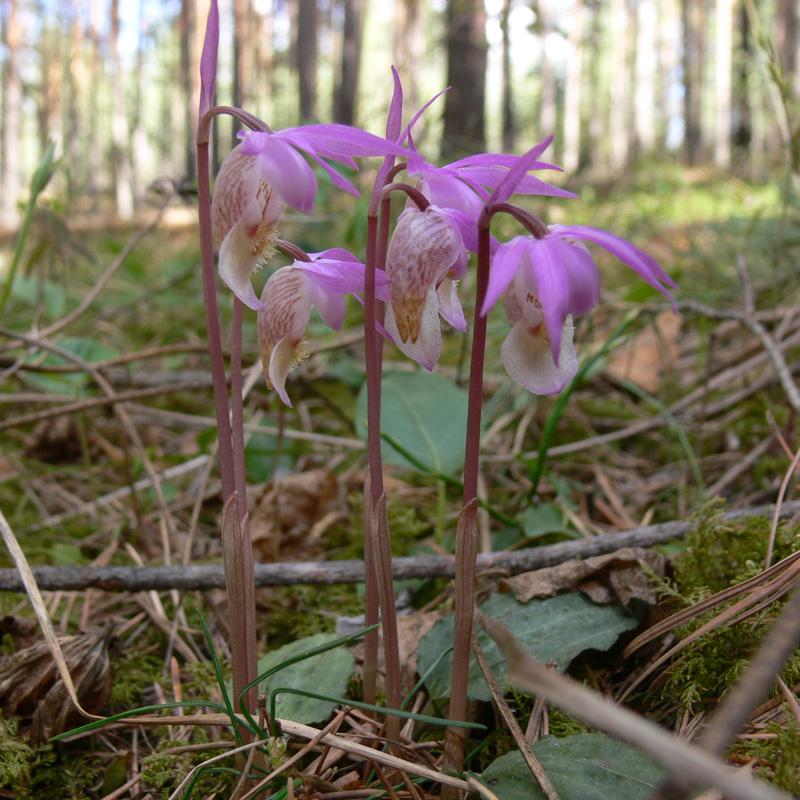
[(504, 267), (282, 360), (447, 191), (450, 305), (506, 187), (237, 261), (637, 259), (289, 174), (528, 359), (331, 305), (427, 345), (395, 118)]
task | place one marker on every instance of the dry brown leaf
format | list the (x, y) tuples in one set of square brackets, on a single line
[(30, 684), (606, 579), (651, 355), (282, 524)]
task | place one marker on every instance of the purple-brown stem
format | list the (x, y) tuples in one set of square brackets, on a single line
[(212, 318), (466, 533), (237, 407)]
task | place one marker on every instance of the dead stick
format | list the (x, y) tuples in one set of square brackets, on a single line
[(187, 578)]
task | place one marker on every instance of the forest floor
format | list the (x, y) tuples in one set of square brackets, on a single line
[(677, 418)]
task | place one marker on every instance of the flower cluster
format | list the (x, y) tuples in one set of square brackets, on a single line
[(545, 279)]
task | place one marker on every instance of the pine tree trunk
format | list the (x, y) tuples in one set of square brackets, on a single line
[(723, 66), (508, 102), (120, 160), (346, 93), (242, 58), (645, 76), (408, 46), (12, 107), (464, 130), (694, 50), (307, 58), (620, 111), (572, 92), (547, 107)]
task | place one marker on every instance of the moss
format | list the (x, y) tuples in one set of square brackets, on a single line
[(134, 672), (164, 770), (39, 770), (779, 757), (718, 554)]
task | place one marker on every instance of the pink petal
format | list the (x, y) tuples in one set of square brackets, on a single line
[(529, 360), (426, 348), (505, 263), (450, 305)]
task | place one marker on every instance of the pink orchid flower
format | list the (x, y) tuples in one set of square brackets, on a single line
[(426, 257), (287, 299), (267, 170), (544, 284)]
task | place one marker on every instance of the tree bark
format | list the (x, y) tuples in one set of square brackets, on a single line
[(723, 66), (572, 91), (242, 58), (669, 27), (408, 43), (693, 53), (464, 130), (620, 110), (120, 159), (508, 101), (645, 76), (346, 92), (12, 122), (547, 105), (306, 62)]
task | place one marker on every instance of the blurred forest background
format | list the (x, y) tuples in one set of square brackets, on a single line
[(618, 82)]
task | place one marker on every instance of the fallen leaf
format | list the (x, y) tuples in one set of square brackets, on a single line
[(284, 525), (606, 579), (31, 687), (651, 355)]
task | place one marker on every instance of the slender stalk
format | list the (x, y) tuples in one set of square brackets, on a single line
[(237, 407), (467, 531), (212, 318)]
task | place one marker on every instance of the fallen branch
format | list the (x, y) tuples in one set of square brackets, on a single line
[(189, 578)]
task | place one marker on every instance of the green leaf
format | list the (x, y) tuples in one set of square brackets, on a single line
[(259, 457), (558, 627), (542, 520), (588, 766), (33, 290), (326, 673), (423, 412), (69, 382)]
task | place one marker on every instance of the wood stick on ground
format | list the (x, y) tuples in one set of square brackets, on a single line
[(136, 579)]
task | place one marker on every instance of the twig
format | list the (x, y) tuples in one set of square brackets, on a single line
[(134, 579), (96, 402)]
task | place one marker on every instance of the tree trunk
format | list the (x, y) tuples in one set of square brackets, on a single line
[(120, 160), (12, 107), (693, 54), (669, 44), (346, 92), (620, 111), (96, 177), (139, 143), (547, 107), (409, 40), (572, 91), (724, 50), (464, 130), (52, 80), (242, 58), (645, 76), (508, 103), (598, 116), (307, 58)]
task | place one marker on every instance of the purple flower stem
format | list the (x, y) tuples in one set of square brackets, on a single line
[(466, 533), (237, 407), (212, 318), (378, 557)]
